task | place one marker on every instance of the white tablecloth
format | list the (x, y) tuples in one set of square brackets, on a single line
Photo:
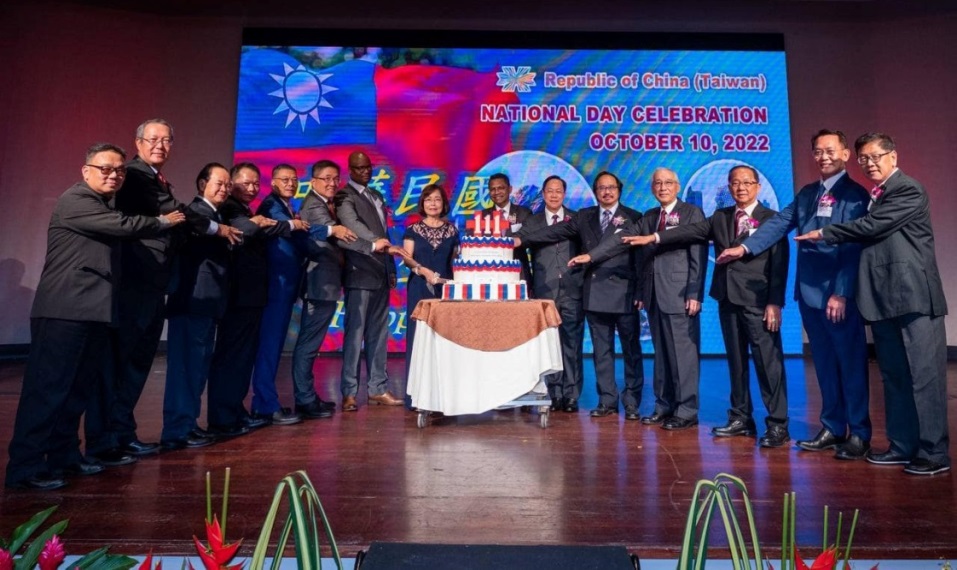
[(449, 378)]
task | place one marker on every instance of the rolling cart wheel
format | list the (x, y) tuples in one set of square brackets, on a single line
[(543, 418), (422, 419)]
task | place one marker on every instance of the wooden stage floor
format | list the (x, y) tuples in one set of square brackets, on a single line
[(498, 478)]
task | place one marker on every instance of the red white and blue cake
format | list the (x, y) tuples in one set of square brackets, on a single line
[(485, 271)]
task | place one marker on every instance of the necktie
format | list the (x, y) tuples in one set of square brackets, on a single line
[(554, 219), (332, 209), (662, 219), (605, 220), (373, 197), (740, 219), (162, 179)]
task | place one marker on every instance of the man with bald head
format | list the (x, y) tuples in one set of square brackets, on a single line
[(670, 289), (368, 277)]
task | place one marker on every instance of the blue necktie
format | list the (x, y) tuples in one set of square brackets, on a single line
[(605, 219)]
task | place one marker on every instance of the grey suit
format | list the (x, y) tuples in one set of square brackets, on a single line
[(900, 292), (75, 303), (368, 278), (669, 277), (553, 279)]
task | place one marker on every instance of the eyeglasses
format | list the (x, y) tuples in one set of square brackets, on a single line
[(607, 188), (154, 142), (361, 168), (828, 153), (285, 181), (875, 158), (665, 183), (745, 184), (328, 179), (107, 170)]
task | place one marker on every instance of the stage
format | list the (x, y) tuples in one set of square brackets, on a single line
[(499, 478)]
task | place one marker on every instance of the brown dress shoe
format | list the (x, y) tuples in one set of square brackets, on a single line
[(349, 404), (385, 399)]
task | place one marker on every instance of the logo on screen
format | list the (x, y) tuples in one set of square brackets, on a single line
[(302, 93), (513, 79)]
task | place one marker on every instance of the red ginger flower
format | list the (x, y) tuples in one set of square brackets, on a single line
[(6, 561), (52, 554), (217, 555), (148, 563)]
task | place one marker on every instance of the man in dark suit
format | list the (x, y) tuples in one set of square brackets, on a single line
[(750, 294), (670, 289), (198, 297), (553, 279), (237, 336), (369, 276), (899, 292), (321, 287), (284, 256), (500, 191), (609, 292), (147, 265), (72, 310), (826, 279)]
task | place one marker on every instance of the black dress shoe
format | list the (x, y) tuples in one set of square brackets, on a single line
[(889, 457), (190, 441), (326, 405), (655, 419), (571, 405), (138, 448), (83, 467), (39, 482), (557, 404), (225, 432), (113, 458), (776, 436), (251, 423), (602, 411), (313, 411), (734, 427), (200, 433), (631, 413), (674, 423), (925, 467), (825, 439), (853, 449)]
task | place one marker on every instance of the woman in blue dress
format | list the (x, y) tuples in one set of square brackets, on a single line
[(429, 247)]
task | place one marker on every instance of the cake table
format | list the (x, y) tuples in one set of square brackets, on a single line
[(470, 357)]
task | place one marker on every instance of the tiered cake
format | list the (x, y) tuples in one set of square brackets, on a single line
[(485, 269)]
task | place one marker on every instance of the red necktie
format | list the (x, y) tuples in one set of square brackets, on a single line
[(554, 219), (662, 220), (162, 179), (739, 216), (332, 209)]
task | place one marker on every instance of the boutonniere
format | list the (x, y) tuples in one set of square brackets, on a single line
[(877, 192), (753, 223), (512, 218), (672, 219), (389, 222), (567, 218), (827, 200), (618, 220)]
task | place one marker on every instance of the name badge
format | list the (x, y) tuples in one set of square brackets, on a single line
[(824, 209)]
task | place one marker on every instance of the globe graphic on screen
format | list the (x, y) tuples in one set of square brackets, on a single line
[(708, 187), (528, 169)]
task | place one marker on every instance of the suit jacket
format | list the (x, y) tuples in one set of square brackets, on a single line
[(822, 269), (248, 268), (898, 271), (521, 214), (753, 281), (364, 269), (201, 284), (609, 286), (670, 275), (147, 262), (284, 255), (81, 267), (550, 272)]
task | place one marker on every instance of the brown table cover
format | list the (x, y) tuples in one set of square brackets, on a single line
[(489, 326)]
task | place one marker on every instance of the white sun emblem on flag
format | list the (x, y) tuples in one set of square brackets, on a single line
[(302, 93), (512, 79)]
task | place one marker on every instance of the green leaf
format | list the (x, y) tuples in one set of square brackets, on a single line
[(29, 558), (23, 532)]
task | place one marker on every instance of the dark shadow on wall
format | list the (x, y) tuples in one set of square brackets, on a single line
[(15, 303)]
